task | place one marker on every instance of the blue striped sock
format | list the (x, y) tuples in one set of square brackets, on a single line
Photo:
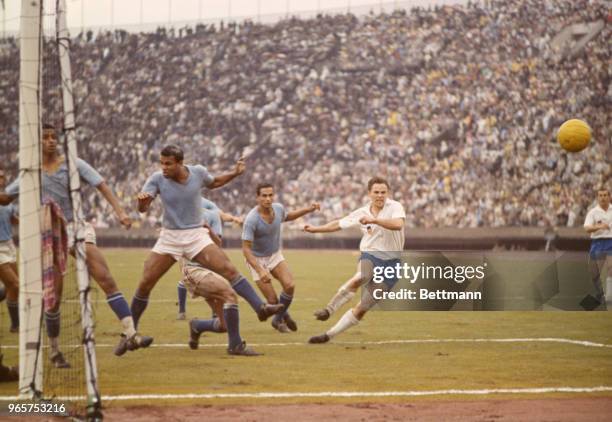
[(232, 321), (245, 290), (182, 296), (119, 305), (202, 325), (286, 300)]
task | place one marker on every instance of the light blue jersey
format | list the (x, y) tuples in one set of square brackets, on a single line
[(6, 231), (207, 204), (55, 186), (265, 237), (182, 201), (213, 219)]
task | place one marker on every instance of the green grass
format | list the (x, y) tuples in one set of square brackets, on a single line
[(340, 366)]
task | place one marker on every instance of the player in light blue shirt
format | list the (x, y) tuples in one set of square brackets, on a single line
[(55, 186), (183, 236), (261, 246), (8, 260)]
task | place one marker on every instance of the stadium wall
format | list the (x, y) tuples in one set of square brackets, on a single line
[(571, 239)]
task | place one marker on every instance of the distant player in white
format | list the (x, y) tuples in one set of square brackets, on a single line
[(598, 223), (382, 224), (261, 246)]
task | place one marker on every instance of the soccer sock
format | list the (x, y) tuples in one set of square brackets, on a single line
[(182, 296), (202, 325), (52, 321), (341, 297), (232, 321), (284, 299), (347, 321), (139, 304), (120, 307), (13, 310), (245, 290)]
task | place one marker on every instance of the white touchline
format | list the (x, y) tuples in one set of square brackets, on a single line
[(266, 395), (584, 343)]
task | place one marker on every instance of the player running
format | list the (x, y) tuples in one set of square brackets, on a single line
[(8, 259), (261, 248), (55, 186), (598, 223), (215, 218), (183, 236), (382, 224)]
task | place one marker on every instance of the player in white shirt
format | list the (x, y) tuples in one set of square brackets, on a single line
[(598, 223), (382, 224)]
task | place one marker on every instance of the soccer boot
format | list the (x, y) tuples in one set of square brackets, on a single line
[(280, 326), (322, 315), (323, 338), (194, 336), (291, 324), (59, 361), (139, 342), (242, 350), (267, 310)]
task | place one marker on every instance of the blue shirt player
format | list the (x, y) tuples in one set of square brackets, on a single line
[(182, 236), (8, 260), (55, 186), (261, 246)]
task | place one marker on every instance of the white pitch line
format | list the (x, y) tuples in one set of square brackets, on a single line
[(274, 395), (583, 343)]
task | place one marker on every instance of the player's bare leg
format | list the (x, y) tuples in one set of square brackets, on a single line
[(8, 275), (99, 271), (155, 266), (213, 258), (345, 294), (283, 274)]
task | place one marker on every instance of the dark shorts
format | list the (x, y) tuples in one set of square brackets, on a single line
[(383, 263), (600, 248)]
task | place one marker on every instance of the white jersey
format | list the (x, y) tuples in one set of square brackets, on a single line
[(598, 215), (376, 238)]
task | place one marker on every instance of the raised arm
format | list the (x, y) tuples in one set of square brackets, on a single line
[(332, 226), (109, 195), (294, 215), (224, 179)]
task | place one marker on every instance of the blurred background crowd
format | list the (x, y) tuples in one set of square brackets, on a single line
[(456, 106)]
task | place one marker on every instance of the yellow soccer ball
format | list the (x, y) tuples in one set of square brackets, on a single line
[(574, 135)]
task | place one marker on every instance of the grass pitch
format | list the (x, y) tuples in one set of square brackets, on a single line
[(353, 362)]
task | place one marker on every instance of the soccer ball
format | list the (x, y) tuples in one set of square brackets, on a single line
[(574, 135)]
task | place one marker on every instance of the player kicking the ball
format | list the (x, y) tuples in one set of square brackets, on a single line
[(182, 234), (382, 225), (261, 247)]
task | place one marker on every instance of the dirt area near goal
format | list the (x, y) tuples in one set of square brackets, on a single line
[(553, 409)]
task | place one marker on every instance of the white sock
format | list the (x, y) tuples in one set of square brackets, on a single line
[(128, 326), (609, 289), (347, 321), (341, 297)]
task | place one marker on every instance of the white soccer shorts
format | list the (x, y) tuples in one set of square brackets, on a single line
[(8, 253), (267, 262), (182, 243)]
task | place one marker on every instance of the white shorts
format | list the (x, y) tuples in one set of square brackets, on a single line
[(182, 243), (87, 232), (196, 279), (267, 262), (8, 254)]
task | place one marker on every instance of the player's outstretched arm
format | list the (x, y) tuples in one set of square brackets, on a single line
[(294, 215), (386, 223), (229, 218), (109, 195), (224, 179), (144, 201), (332, 226)]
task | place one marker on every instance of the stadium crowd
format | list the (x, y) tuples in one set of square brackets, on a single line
[(456, 106)]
